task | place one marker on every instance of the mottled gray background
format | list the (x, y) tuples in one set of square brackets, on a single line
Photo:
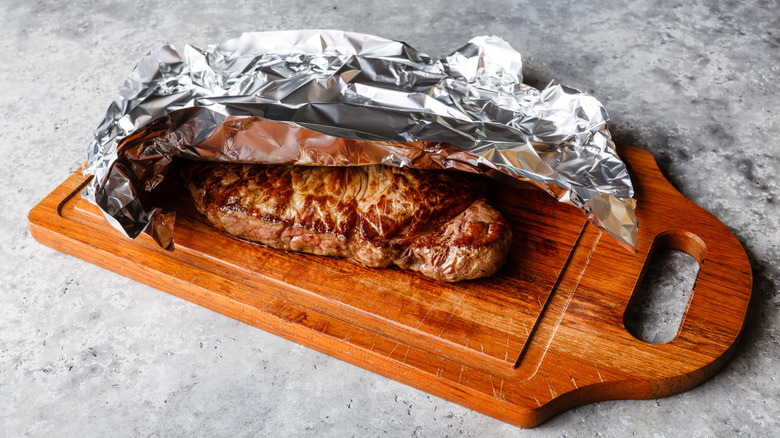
[(87, 352)]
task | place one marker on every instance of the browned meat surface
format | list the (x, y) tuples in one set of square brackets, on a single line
[(434, 222)]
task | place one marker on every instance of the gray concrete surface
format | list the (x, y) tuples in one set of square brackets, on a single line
[(84, 352)]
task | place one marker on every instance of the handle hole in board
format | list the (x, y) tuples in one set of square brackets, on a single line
[(661, 297)]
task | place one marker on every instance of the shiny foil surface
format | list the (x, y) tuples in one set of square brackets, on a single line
[(321, 97)]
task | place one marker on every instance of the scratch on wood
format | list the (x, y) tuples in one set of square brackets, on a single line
[(338, 296), (564, 371), (430, 309), (324, 325), (393, 350), (299, 317), (268, 305), (454, 309), (525, 327), (598, 372), (497, 393), (460, 376), (371, 308)]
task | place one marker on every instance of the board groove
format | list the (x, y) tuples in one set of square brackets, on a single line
[(559, 299), (543, 335)]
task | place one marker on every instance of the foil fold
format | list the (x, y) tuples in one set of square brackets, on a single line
[(323, 97)]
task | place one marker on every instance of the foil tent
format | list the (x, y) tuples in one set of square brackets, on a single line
[(323, 97)]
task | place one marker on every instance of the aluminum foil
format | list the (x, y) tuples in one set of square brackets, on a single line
[(321, 97)]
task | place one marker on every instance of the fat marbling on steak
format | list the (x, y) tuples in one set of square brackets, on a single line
[(434, 222)]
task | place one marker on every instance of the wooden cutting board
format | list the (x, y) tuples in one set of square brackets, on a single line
[(544, 335)]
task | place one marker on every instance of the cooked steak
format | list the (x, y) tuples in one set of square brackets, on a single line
[(434, 222)]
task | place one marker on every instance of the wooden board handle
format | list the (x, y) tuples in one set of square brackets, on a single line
[(716, 308), (603, 361)]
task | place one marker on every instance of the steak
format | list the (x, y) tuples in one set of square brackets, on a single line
[(435, 222)]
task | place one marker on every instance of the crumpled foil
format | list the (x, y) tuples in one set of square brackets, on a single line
[(321, 97)]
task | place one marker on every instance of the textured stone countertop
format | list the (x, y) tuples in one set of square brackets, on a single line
[(84, 351)]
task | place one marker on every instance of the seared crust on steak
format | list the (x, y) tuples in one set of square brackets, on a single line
[(434, 222)]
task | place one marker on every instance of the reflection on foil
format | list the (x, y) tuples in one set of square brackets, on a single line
[(317, 97)]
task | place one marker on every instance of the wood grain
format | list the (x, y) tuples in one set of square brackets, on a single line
[(544, 335)]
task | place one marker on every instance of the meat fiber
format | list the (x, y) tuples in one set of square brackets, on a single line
[(435, 222)]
